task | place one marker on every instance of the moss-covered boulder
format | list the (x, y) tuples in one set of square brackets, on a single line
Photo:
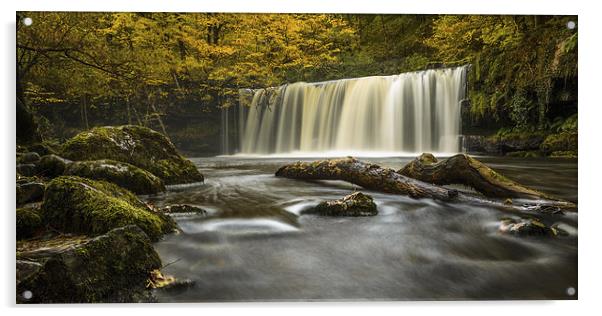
[(123, 174), (113, 267), (529, 227), (561, 142), (29, 157), (29, 192), (52, 166), (29, 221), (79, 205), (139, 146), (356, 204)]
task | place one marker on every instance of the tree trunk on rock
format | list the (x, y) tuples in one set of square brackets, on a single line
[(376, 178), (463, 169)]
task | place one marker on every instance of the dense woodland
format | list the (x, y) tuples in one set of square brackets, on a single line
[(174, 72)]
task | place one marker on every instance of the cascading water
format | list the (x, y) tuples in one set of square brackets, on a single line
[(407, 113)]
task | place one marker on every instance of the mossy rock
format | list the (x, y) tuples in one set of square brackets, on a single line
[(137, 145), (564, 154), (566, 141), (123, 174), (525, 154), (44, 148), (113, 267), (355, 204), (29, 222), (52, 166), (29, 192), (92, 207)]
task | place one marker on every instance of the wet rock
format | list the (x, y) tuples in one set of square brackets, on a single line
[(183, 208), (29, 192), (27, 170), (529, 227), (123, 174), (356, 204), (29, 221), (113, 267), (52, 165), (137, 145), (92, 207), (29, 158)]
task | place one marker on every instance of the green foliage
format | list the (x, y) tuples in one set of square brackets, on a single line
[(29, 222)]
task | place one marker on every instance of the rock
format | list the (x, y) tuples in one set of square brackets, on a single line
[(356, 204), (28, 158), (123, 174), (561, 142), (29, 222), (525, 154), (109, 268), (183, 208), (27, 170), (564, 154), (30, 192), (137, 145), (92, 207), (44, 148), (52, 166), (529, 227)]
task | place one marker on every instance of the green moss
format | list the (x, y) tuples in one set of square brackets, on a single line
[(139, 146), (564, 154), (565, 141), (123, 174), (79, 205), (29, 222)]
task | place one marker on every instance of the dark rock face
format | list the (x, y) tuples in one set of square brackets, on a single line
[(91, 207), (52, 166), (123, 174), (27, 170), (529, 227), (136, 145), (110, 268), (183, 208), (30, 192), (356, 204)]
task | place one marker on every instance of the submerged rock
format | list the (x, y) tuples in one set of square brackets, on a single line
[(183, 208), (110, 268), (30, 192), (29, 221), (123, 174), (137, 145), (356, 204), (529, 227), (52, 166), (78, 205)]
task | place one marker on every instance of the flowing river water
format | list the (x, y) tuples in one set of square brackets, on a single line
[(254, 245)]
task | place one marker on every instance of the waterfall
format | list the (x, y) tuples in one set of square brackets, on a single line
[(406, 113)]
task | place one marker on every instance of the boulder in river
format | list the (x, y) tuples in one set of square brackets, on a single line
[(355, 204), (123, 174), (113, 267), (529, 227), (137, 145), (183, 208), (27, 169), (29, 157), (92, 207)]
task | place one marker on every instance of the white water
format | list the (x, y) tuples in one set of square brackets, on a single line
[(378, 116)]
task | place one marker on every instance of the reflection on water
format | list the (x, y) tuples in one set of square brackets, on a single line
[(254, 245)]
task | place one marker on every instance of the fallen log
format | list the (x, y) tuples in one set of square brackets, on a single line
[(376, 178), (463, 169)]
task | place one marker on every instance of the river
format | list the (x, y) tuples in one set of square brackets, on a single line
[(255, 246)]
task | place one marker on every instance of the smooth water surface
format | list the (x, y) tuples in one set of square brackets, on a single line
[(255, 245)]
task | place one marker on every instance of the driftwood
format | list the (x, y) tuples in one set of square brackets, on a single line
[(463, 169), (376, 178)]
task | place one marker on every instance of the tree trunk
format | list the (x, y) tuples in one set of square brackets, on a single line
[(463, 169), (374, 177)]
